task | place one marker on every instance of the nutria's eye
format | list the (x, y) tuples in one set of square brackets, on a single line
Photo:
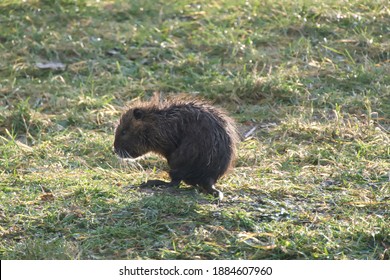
[(123, 132), (138, 114)]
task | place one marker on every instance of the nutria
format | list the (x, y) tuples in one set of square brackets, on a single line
[(198, 140)]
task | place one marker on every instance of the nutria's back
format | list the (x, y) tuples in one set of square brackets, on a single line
[(198, 140)]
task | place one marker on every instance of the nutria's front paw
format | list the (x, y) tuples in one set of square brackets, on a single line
[(215, 192), (218, 194)]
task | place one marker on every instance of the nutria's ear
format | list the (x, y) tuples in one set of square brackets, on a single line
[(138, 114)]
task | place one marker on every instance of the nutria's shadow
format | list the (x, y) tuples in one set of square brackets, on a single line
[(180, 192)]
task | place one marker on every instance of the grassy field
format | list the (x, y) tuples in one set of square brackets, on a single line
[(312, 77)]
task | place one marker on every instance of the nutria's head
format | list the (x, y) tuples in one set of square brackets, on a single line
[(131, 134)]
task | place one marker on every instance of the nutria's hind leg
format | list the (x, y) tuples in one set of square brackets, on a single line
[(160, 183)]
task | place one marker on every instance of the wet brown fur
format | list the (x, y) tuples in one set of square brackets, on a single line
[(198, 140)]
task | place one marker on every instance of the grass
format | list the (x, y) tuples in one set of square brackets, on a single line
[(312, 181)]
